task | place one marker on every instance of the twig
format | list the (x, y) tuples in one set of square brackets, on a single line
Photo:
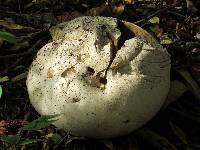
[(154, 14), (177, 14)]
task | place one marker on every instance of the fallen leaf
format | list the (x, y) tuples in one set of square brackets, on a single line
[(179, 133), (157, 30), (6, 36), (4, 79), (29, 141), (196, 51), (11, 25), (165, 40), (108, 144), (102, 10), (19, 77), (191, 7), (184, 29), (129, 1), (21, 44), (110, 10), (154, 140), (16, 28), (39, 123), (67, 16), (191, 84), (177, 88), (195, 71), (1, 91), (3, 125), (117, 10), (154, 20), (11, 139), (197, 36)]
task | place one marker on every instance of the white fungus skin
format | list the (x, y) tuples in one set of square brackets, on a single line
[(65, 79)]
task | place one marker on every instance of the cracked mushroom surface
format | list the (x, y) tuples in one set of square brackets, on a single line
[(103, 81)]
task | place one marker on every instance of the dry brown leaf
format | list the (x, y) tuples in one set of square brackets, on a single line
[(117, 10), (110, 10), (6, 124), (98, 11), (13, 26), (3, 125), (129, 1), (67, 16), (184, 29), (16, 28)]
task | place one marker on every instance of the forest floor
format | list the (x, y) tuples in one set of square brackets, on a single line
[(24, 29)]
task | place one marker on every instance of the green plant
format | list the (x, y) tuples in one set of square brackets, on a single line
[(42, 122), (6, 36)]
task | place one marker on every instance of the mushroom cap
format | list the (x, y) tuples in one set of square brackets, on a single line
[(68, 78)]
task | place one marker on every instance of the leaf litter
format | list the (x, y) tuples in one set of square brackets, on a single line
[(25, 30)]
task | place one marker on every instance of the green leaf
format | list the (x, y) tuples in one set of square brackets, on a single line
[(165, 40), (6, 36), (11, 139), (179, 133), (154, 20), (4, 79), (29, 141), (39, 123), (1, 91)]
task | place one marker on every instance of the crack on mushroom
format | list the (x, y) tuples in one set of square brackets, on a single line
[(116, 44), (126, 34), (68, 72)]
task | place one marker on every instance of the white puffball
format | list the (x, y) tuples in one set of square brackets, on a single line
[(67, 78)]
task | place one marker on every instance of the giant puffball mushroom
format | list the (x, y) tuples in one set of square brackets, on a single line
[(105, 77)]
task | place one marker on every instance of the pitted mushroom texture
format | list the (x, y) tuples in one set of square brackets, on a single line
[(98, 90)]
